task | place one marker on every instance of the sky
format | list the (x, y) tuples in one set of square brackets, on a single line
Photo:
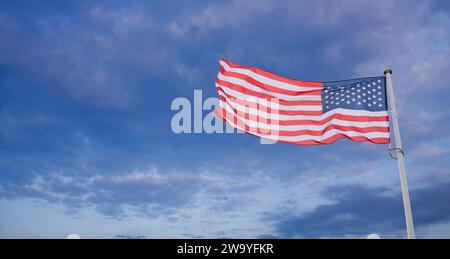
[(86, 144)]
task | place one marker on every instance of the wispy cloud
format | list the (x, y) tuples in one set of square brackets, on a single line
[(358, 211)]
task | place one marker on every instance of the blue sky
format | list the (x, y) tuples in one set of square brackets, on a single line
[(86, 143)]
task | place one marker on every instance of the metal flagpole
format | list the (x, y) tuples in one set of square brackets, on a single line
[(400, 155)]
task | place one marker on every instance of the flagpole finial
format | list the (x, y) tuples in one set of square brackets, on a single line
[(388, 70)]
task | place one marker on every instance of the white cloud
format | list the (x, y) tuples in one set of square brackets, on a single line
[(235, 14)]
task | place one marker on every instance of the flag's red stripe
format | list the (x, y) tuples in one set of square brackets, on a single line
[(247, 91), (276, 77), (329, 140), (263, 85), (271, 110), (224, 114), (255, 105), (331, 127), (300, 93), (345, 117), (335, 138), (338, 116), (282, 102)]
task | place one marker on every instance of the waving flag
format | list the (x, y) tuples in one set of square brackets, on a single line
[(299, 112)]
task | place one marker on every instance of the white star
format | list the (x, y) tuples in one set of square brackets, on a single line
[(379, 105), (337, 103), (379, 81), (348, 102), (364, 100), (369, 105), (379, 93), (359, 103), (353, 93), (379, 99), (353, 99), (373, 83)]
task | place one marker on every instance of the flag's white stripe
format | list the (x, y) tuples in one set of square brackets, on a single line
[(273, 126), (266, 115), (243, 83), (243, 96), (264, 79), (261, 101), (325, 136)]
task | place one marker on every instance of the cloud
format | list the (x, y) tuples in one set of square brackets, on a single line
[(358, 211), (83, 51), (149, 193), (233, 14), (110, 194)]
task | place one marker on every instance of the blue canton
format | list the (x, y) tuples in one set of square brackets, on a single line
[(357, 94)]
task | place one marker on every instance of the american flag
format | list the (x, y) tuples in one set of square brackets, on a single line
[(281, 109)]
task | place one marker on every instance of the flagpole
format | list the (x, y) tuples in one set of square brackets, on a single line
[(400, 155)]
